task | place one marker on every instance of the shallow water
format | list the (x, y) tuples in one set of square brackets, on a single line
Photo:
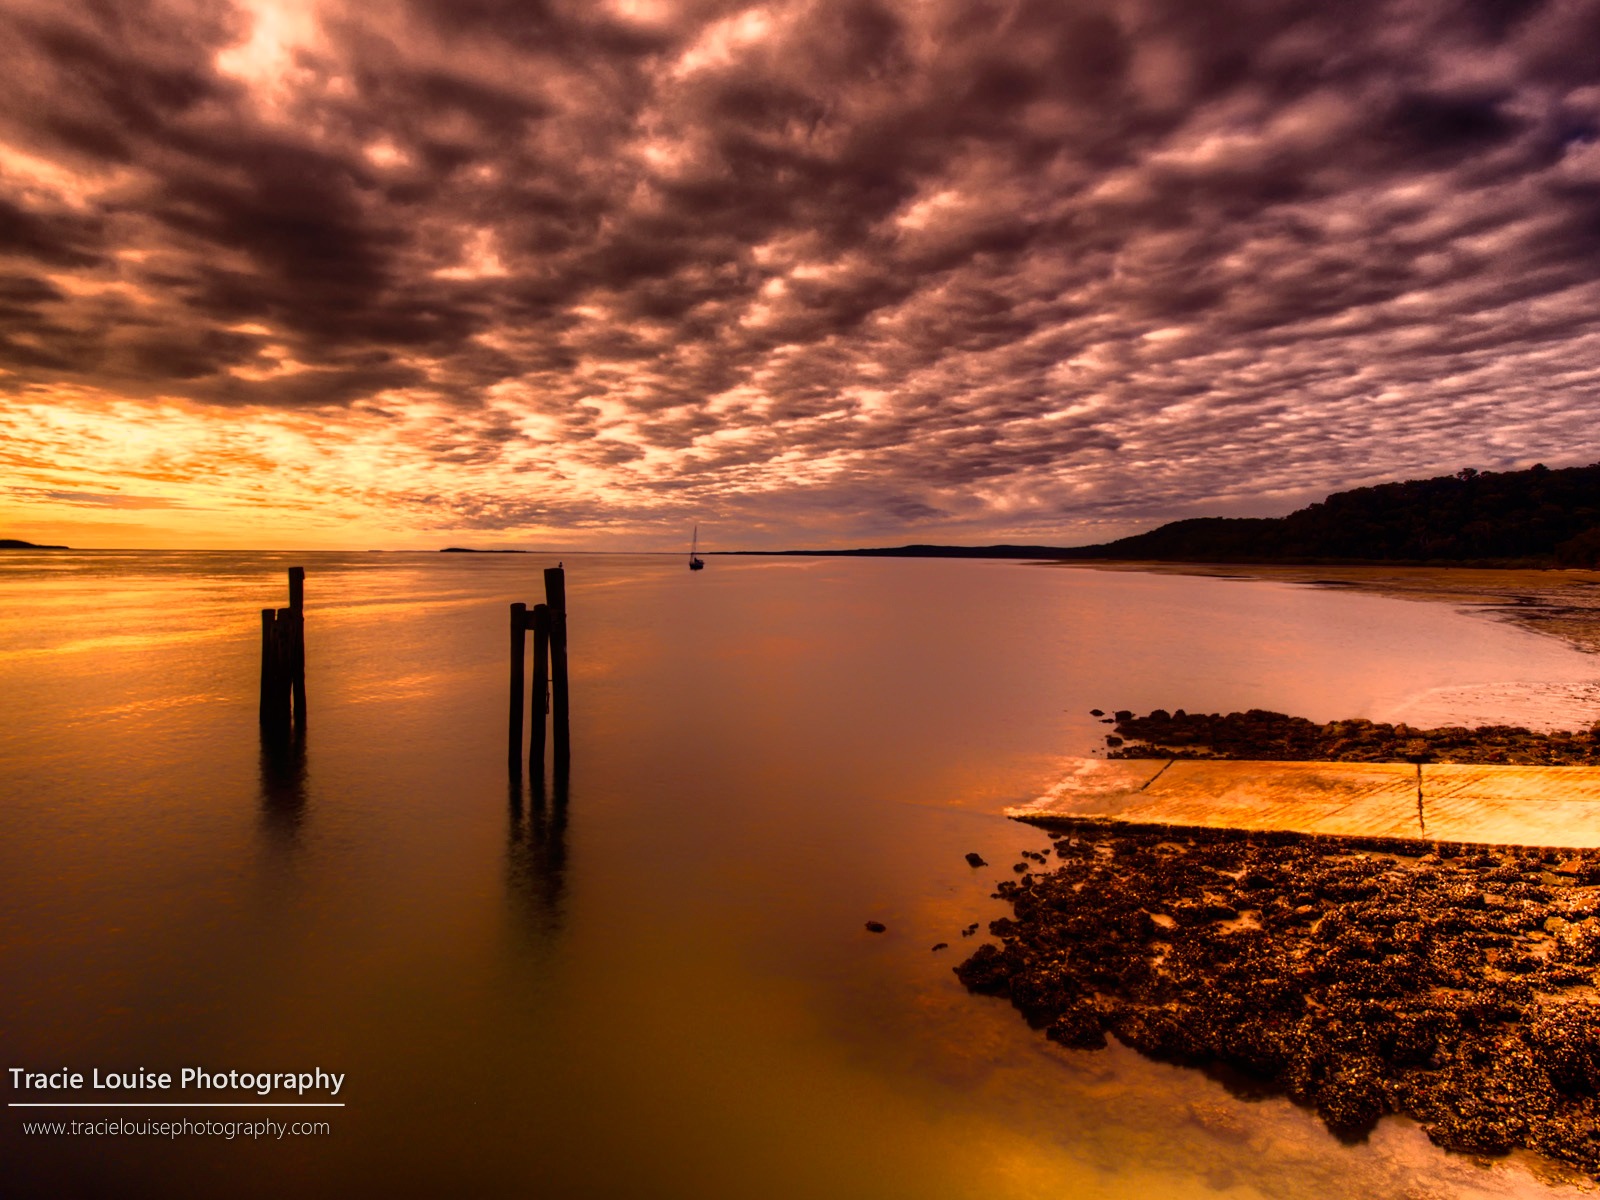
[(657, 983)]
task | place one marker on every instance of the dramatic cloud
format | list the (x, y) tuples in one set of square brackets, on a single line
[(818, 272)]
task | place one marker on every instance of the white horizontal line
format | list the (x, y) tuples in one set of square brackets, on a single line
[(226, 1104)]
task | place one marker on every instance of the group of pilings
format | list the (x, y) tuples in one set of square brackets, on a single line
[(283, 660), (548, 621), (283, 671)]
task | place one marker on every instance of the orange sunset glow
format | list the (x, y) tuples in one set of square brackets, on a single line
[(319, 273)]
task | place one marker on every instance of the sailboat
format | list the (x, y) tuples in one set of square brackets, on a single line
[(694, 559)]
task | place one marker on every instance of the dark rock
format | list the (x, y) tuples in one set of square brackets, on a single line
[(1351, 1100), (1097, 712), (876, 926), (975, 860), (937, 946), (1259, 734), (1078, 1027), (986, 972)]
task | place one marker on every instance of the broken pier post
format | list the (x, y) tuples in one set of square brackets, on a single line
[(297, 642), (519, 627), (555, 594), (541, 687), (283, 660), (549, 624)]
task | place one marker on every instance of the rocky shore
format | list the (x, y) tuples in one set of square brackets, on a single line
[(1456, 985), (1259, 734)]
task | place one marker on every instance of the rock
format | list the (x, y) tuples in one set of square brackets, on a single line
[(1259, 734), (987, 972), (1113, 740), (1079, 1027), (1097, 712), (1019, 868), (876, 927), (938, 946), (975, 860), (1350, 1102)]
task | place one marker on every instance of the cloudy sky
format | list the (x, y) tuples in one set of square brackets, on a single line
[(825, 272)]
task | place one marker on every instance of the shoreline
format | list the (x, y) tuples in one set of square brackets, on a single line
[(1459, 986), (1260, 735), (1559, 603)]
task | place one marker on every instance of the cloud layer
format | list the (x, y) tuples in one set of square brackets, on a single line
[(816, 272)]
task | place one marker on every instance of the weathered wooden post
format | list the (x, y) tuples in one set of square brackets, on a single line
[(555, 594), (519, 625), (283, 648), (541, 688), (269, 660), (297, 642), (283, 659)]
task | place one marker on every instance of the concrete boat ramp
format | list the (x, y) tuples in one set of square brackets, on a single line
[(1435, 802)]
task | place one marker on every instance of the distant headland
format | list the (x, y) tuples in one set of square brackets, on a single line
[(18, 544), (1537, 517), (470, 550)]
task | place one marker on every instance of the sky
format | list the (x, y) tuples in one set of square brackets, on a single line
[(532, 273)]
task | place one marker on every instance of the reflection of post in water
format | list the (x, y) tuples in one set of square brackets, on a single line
[(536, 852), (283, 784)]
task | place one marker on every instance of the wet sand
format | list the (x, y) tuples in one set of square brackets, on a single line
[(1560, 603)]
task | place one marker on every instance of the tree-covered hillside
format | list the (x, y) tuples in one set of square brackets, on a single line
[(1537, 515)]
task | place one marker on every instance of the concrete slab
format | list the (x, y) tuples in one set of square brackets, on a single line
[(1095, 787), (1558, 806), (1569, 824), (1502, 805), (1510, 783)]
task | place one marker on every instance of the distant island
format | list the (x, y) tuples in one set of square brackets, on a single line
[(1531, 518), (470, 550), (17, 544)]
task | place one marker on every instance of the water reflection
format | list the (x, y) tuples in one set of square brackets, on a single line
[(766, 758), (536, 851), (283, 786)]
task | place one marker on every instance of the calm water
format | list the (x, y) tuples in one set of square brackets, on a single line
[(661, 986)]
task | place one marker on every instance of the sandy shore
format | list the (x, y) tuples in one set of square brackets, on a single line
[(1563, 604)]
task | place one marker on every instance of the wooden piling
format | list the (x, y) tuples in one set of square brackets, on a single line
[(283, 659), (297, 642), (283, 651), (555, 594), (519, 626), (269, 689), (541, 688)]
